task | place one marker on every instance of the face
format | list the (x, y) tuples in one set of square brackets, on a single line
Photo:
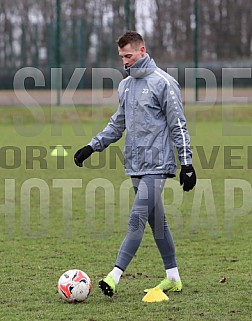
[(131, 54)]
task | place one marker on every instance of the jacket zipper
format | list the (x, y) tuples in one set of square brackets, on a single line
[(134, 122)]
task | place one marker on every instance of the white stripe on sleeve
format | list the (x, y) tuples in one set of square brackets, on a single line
[(184, 141)]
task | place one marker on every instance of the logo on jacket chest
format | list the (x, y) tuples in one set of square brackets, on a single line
[(145, 91)]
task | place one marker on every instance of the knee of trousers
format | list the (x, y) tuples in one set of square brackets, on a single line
[(137, 221)]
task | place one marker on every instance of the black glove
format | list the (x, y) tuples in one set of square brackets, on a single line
[(187, 177), (82, 154)]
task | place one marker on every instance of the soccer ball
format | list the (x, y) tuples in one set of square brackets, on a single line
[(74, 286)]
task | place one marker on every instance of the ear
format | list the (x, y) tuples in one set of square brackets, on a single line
[(143, 51)]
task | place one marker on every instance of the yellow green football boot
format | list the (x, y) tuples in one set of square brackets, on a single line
[(168, 285), (108, 285)]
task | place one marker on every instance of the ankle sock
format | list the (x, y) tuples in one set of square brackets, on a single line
[(173, 274), (116, 273)]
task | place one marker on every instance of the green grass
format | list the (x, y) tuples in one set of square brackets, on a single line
[(212, 240)]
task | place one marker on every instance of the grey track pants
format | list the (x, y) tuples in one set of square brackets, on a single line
[(147, 206)]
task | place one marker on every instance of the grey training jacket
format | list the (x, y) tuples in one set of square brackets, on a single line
[(151, 111)]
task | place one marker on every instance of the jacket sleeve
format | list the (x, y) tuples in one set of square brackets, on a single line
[(111, 133), (171, 103)]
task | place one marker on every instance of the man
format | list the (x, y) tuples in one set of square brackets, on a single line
[(151, 111)]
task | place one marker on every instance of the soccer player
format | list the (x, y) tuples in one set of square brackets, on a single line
[(150, 110)]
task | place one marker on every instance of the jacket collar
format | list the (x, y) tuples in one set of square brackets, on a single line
[(142, 67)]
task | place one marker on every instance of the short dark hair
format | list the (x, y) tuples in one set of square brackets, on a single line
[(131, 37)]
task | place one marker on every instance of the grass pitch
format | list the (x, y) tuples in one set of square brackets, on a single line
[(55, 217)]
